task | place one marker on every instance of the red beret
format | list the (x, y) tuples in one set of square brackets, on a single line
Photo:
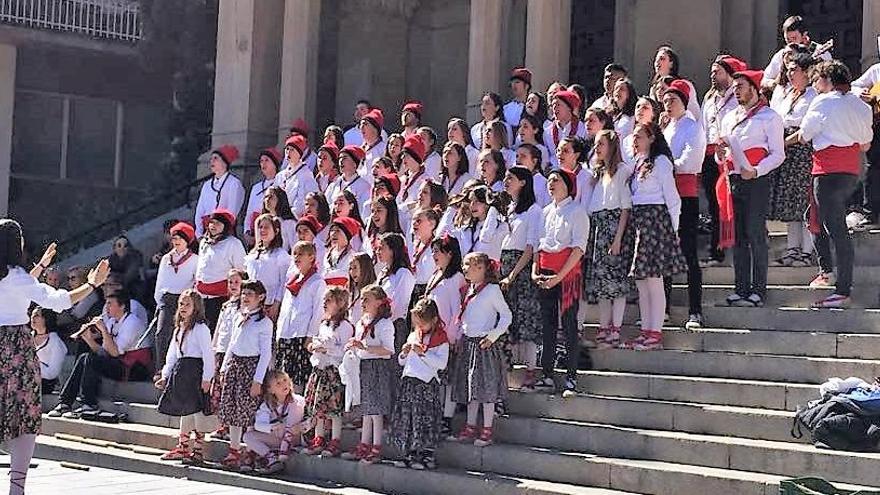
[(570, 98), (273, 155), (312, 222), (225, 217), (299, 126), (682, 88), (753, 76), (348, 225), (391, 182), (415, 107), (355, 152), (731, 64), (183, 230), (415, 146), (298, 142), (523, 74), (375, 118), (228, 153), (331, 148)]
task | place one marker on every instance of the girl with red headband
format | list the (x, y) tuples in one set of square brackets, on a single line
[(373, 344), (268, 262), (417, 416), (479, 377), (177, 272), (219, 252)]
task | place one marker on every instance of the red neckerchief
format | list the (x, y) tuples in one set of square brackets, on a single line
[(751, 113), (410, 181), (554, 129), (436, 337), (419, 252), (472, 293), (370, 328), (438, 276), (295, 284), (176, 265)]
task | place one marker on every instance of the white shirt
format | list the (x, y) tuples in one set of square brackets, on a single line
[(837, 119), (399, 287), (223, 332), (484, 237), (473, 155), (372, 154), (693, 105), (353, 136), (542, 195), (566, 225), (409, 189), (523, 229), (225, 191), (478, 129), (300, 315), (624, 125), (867, 80), (456, 186), (657, 188), (19, 289), (270, 268), (333, 340), (771, 72), (715, 107), (433, 165), (358, 186), (297, 182), (51, 354), (169, 281), (384, 336), (762, 130), (428, 366), (127, 332), (563, 132), (276, 422), (447, 294), (513, 110), (288, 234), (197, 344), (584, 183), (137, 309), (335, 266), (687, 140), (215, 260), (487, 314), (423, 264), (790, 109), (255, 202), (601, 102), (251, 337), (612, 193)]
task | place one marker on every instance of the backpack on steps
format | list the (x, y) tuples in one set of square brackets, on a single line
[(816, 486), (837, 423)]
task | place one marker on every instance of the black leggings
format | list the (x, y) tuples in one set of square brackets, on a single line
[(710, 178), (687, 234), (831, 192), (550, 305)]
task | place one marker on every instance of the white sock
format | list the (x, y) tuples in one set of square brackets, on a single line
[(319, 428), (448, 405), (488, 414), (794, 239), (336, 427), (530, 353), (472, 409), (366, 430), (644, 303), (618, 308), (235, 437), (378, 421), (604, 313)]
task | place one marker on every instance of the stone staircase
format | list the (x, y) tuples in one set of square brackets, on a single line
[(709, 414)]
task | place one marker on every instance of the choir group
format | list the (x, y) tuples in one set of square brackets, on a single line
[(394, 277)]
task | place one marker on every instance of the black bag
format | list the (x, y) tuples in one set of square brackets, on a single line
[(183, 392), (837, 423)]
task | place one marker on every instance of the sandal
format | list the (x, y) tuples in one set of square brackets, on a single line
[(180, 452), (485, 438), (333, 449), (273, 465), (373, 456), (232, 461), (359, 452), (317, 446), (196, 457), (467, 434)]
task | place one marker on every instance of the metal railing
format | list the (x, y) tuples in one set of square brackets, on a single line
[(105, 19)]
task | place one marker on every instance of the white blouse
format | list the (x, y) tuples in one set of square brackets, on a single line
[(566, 225), (384, 336), (255, 202), (523, 229), (197, 344), (486, 315), (359, 186), (399, 287), (251, 337), (19, 289), (175, 280), (270, 268), (612, 193), (288, 234), (542, 195), (422, 262), (485, 237), (456, 186), (428, 366), (215, 260), (433, 165), (447, 295), (624, 125), (837, 119), (657, 188), (791, 109), (580, 131), (297, 183), (334, 266), (687, 141), (225, 191), (275, 421), (51, 354), (300, 315), (333, 340), (762, 130), (373, 153), (223, 331)]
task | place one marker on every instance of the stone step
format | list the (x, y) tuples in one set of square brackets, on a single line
[(701, 390), (866, 245), (799, 296), (345, 475), (798, 369), (862, 275), (550, 455), (852, 320), (782, 342)]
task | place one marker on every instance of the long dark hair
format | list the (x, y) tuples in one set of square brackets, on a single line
[(282, 204), (499, 104), (463, 162), (674, 63), (260, 290), (449, 244), (355, 208), (463, 127), (11, 252), (541, 112), (400, 258), (323, 207), (658, 147), (392, 217), (497, 157), (276, 241), (628, 108), (537, 124), (483, 194), (526, 197)]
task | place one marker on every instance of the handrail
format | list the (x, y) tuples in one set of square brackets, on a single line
[(104, 19), (74, 240)]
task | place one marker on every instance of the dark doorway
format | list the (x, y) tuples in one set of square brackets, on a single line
[(592, 43), (826, 19)]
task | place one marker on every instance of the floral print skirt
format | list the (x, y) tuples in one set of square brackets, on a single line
[(20, 410)]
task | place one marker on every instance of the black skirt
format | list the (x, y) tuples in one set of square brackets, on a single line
[(183, 393)]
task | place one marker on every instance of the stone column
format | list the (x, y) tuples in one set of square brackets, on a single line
[(7, 102), (548, 39), (299, 63), (870, 31), (248, 75), (484, 53)]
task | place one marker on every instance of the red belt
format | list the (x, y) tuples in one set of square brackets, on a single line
[(337, 281), (726, 237), (837, 160), (571, 284), (687, 185), (213, 289)]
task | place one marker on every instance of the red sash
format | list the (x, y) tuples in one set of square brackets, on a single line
[(687, 185), (295, 284), (337, 281), (837, 160), (219, 288), (571, 284), (726, 236)]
